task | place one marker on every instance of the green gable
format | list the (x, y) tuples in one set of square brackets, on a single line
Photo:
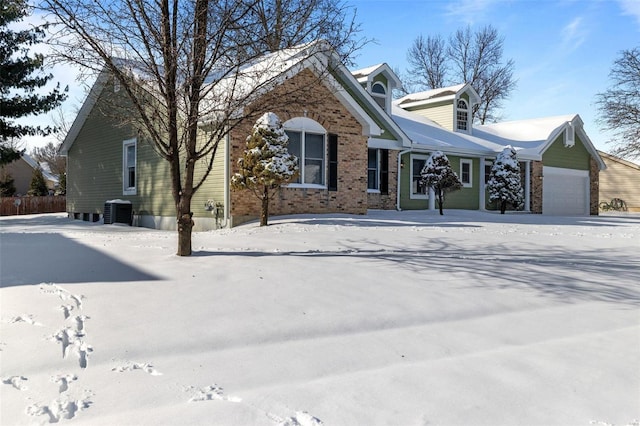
[(576, 157)]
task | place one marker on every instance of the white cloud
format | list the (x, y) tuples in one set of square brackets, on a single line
[(470, 11), (631, 7), (574, 34)]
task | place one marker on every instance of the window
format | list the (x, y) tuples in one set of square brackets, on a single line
[(373, 164), (466, 173), (129, 167), (307, 142), (487, 171), (379, 93), (418, 189), (462, 115)]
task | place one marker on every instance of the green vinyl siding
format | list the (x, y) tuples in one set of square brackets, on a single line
[(466, 198), (213, 188), (557, 155)]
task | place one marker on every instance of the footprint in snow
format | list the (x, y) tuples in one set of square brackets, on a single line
[(146, 367), (50, 288), (302, 418), (59, 409), (24, 318), (64, 381), (16, 381), (211, 393)]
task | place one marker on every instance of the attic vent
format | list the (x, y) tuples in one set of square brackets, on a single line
[(569, 136)]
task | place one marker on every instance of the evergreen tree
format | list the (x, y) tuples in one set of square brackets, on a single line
[(20, 76), (266, 163), (504, 180), (7, 186), (438, 175), (38, 184)]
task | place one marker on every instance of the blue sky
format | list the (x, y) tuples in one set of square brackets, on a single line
[(563, 50)]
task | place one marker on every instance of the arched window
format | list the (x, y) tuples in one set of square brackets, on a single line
[(307, 142), (379, 93), (462, 115)]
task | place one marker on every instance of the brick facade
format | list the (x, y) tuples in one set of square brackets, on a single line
[(321, 105), (376, 200), (536, 187)]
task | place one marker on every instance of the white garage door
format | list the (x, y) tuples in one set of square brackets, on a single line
[(565, 191)]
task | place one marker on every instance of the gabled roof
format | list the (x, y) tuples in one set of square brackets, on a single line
[(536, 135), (437, 95), (619, 160), (45, 169), (366, 74), (530, 138), (265, 73)]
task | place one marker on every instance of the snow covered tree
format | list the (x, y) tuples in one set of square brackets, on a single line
[(504, 180), (38, 185), (266, 163), (438, 175)]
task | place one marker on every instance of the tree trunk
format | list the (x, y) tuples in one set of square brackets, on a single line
[(440, 200), (264, 213), (503, 206), (185, 227)]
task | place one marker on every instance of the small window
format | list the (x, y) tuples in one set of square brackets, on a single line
[(487, 171), (418, 189), (379, 93), (462, 115), (466, 173), (129, 167), (373, 176)]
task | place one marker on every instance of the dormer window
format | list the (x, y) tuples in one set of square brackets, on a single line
[(379, 93), (462, 115)]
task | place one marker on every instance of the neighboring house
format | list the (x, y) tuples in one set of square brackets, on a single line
[(358, 150), (620, 180), (22, 170)]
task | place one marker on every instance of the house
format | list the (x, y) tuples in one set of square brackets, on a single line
[(22, 170), (621, 180), (358, 150)]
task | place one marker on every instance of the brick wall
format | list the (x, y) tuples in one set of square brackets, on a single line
[(387, 201), (306, 96), (536, 187), (594, 187)]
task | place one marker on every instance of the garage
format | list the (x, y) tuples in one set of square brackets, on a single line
[(565, 191)]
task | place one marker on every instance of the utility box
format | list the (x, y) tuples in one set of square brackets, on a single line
[(118, 211)]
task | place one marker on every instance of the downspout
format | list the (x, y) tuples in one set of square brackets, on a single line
[(527, 186), (227, 189), (400, 154)]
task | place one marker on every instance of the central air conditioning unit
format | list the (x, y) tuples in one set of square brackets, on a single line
[(118, 211)]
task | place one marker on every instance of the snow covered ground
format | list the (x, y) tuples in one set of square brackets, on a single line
[(395, 318)]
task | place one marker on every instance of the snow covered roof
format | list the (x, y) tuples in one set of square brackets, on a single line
[(46, 172), (365, 74), (428, 135), (437, 95)]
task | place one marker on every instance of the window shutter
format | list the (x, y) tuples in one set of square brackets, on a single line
[(333, 162), (384, 171)]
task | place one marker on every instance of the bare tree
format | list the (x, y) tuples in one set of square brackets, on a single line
[(428, 61), (468, 57), (619, 105), (179, 63), (279, 24)]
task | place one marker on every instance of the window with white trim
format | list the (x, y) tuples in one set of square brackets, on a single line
[(487, 171), (129, 167), (379, 94), (418, 189), (466, 173), (307, 141), (462, 115)]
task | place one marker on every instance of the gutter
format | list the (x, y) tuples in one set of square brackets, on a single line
[(400, 154)]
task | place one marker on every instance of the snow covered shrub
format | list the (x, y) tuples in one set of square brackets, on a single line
[(504, 180), (438, 175), (266, 163)]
